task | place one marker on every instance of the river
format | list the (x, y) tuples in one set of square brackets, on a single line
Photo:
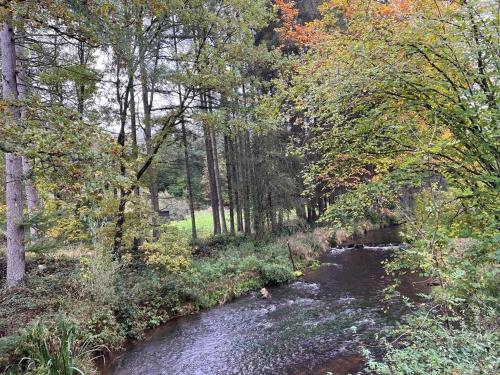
[(311, 326)]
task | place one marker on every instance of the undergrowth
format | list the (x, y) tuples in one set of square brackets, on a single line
[(76, 308)]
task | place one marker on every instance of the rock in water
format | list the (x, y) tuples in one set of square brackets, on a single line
[(265, 293)]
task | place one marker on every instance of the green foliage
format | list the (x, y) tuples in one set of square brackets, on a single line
[(113, 301), (427, 346), (275, 274), (402, 97), (98, 275), (171, 252), (56, 350)]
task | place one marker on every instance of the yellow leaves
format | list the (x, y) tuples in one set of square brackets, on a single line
[(422, 126), (447, 134), (297, 273), (171, 253), (67, 228)]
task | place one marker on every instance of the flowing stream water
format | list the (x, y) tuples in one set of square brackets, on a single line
[(311, 326)]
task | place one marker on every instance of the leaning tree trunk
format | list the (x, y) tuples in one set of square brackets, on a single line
[(13, 166)]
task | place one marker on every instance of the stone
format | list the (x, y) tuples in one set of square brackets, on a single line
[(264, 293)]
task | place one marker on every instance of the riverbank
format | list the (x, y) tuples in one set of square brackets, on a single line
[(98, 305), (314, 325)]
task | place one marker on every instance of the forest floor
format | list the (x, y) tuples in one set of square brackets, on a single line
[(107, 303)]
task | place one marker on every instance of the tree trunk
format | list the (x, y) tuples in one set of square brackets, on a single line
[(229, 166), (321, 201), (280, 220), (120, 221), (211, 173), (135, 149), (189, 184), (13, 166), (257, 183), (245, 197), (80, 94), (218, 182), (123, 102), (153, 176), (32, 197), (236, 168), (272, 213)]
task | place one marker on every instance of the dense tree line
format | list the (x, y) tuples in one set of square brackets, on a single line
[(95, 95)]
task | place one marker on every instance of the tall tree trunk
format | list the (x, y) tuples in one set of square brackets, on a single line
[(189, 184), (13, 166), (32, 197), (153, 175), (254, 170), (321, 201), (280, 219), (246, 185), (218, 182), (133, 120), (123, 102), (236, 168), (246, 168), (185, 146), (81, 88), (272, 213), (135, 149), (229, 166), (211, 172)]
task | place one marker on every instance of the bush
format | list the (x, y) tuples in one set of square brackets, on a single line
[(98, 278), (428, 347), (275, 274), (171, 252)]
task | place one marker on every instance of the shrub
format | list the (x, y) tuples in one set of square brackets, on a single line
[(54, 350), (429, 347), (98, 278), (275, 274), (102, 328), (171, 252)]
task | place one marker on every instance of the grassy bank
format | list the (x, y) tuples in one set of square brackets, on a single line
[(204, 224), (92, 304)]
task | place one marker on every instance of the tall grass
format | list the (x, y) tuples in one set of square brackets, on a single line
[(54, 352)]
